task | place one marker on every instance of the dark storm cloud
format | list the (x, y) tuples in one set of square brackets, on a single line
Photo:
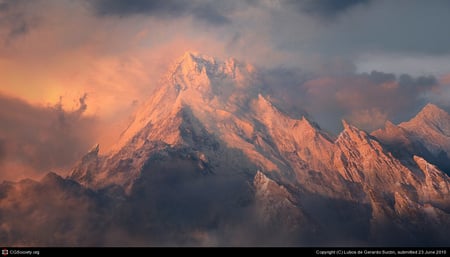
[(209, 11), (18, 29), (34, 140), (367, 100), (391, 26), (379, 77), (353, 29), (15, 20), (325, 8), (419, 84)]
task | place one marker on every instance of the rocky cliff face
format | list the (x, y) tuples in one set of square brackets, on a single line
[(210, 160)]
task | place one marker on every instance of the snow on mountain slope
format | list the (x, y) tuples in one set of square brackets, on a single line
[(430, 119), (207, 102), (362, 159), (436, 187), (197, 81), (277, 205), (217, 95), (426, 135), (431, 128), (209, 151)]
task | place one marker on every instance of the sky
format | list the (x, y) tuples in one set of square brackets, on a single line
[(72, 71)]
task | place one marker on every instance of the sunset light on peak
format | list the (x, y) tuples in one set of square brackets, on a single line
[(309, 123)]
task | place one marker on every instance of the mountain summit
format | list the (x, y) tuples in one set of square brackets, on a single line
[(209, 121), (427, 135), (198, 82), (209, 159)]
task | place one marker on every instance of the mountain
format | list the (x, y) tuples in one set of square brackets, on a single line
[(210, 160), (427, 135)]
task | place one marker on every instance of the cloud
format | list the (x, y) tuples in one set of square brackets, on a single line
[(367, 100), (325, 9), (370, 119), (208, 11), (105, 57), (390, 36), (35, 140), (400, 27), (2, 151), (15, 20), (116, 61), (61, 212), (441, 94), (382, 95)]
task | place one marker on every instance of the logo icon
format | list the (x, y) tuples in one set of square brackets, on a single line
[(5, 252)]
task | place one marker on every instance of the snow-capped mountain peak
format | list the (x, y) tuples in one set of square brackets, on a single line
[(430, 118), (352, 133), (431, 109), (208, 127), (193, 66)]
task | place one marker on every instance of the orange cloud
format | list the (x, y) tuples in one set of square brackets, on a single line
[(35, 140), (445, 79), (71, 52)]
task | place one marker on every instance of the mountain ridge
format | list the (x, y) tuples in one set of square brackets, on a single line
[(427, 135), (355, 166), (210, 160)]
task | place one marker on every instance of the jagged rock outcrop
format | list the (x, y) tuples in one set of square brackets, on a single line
[(210, 160), (213, 116)]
